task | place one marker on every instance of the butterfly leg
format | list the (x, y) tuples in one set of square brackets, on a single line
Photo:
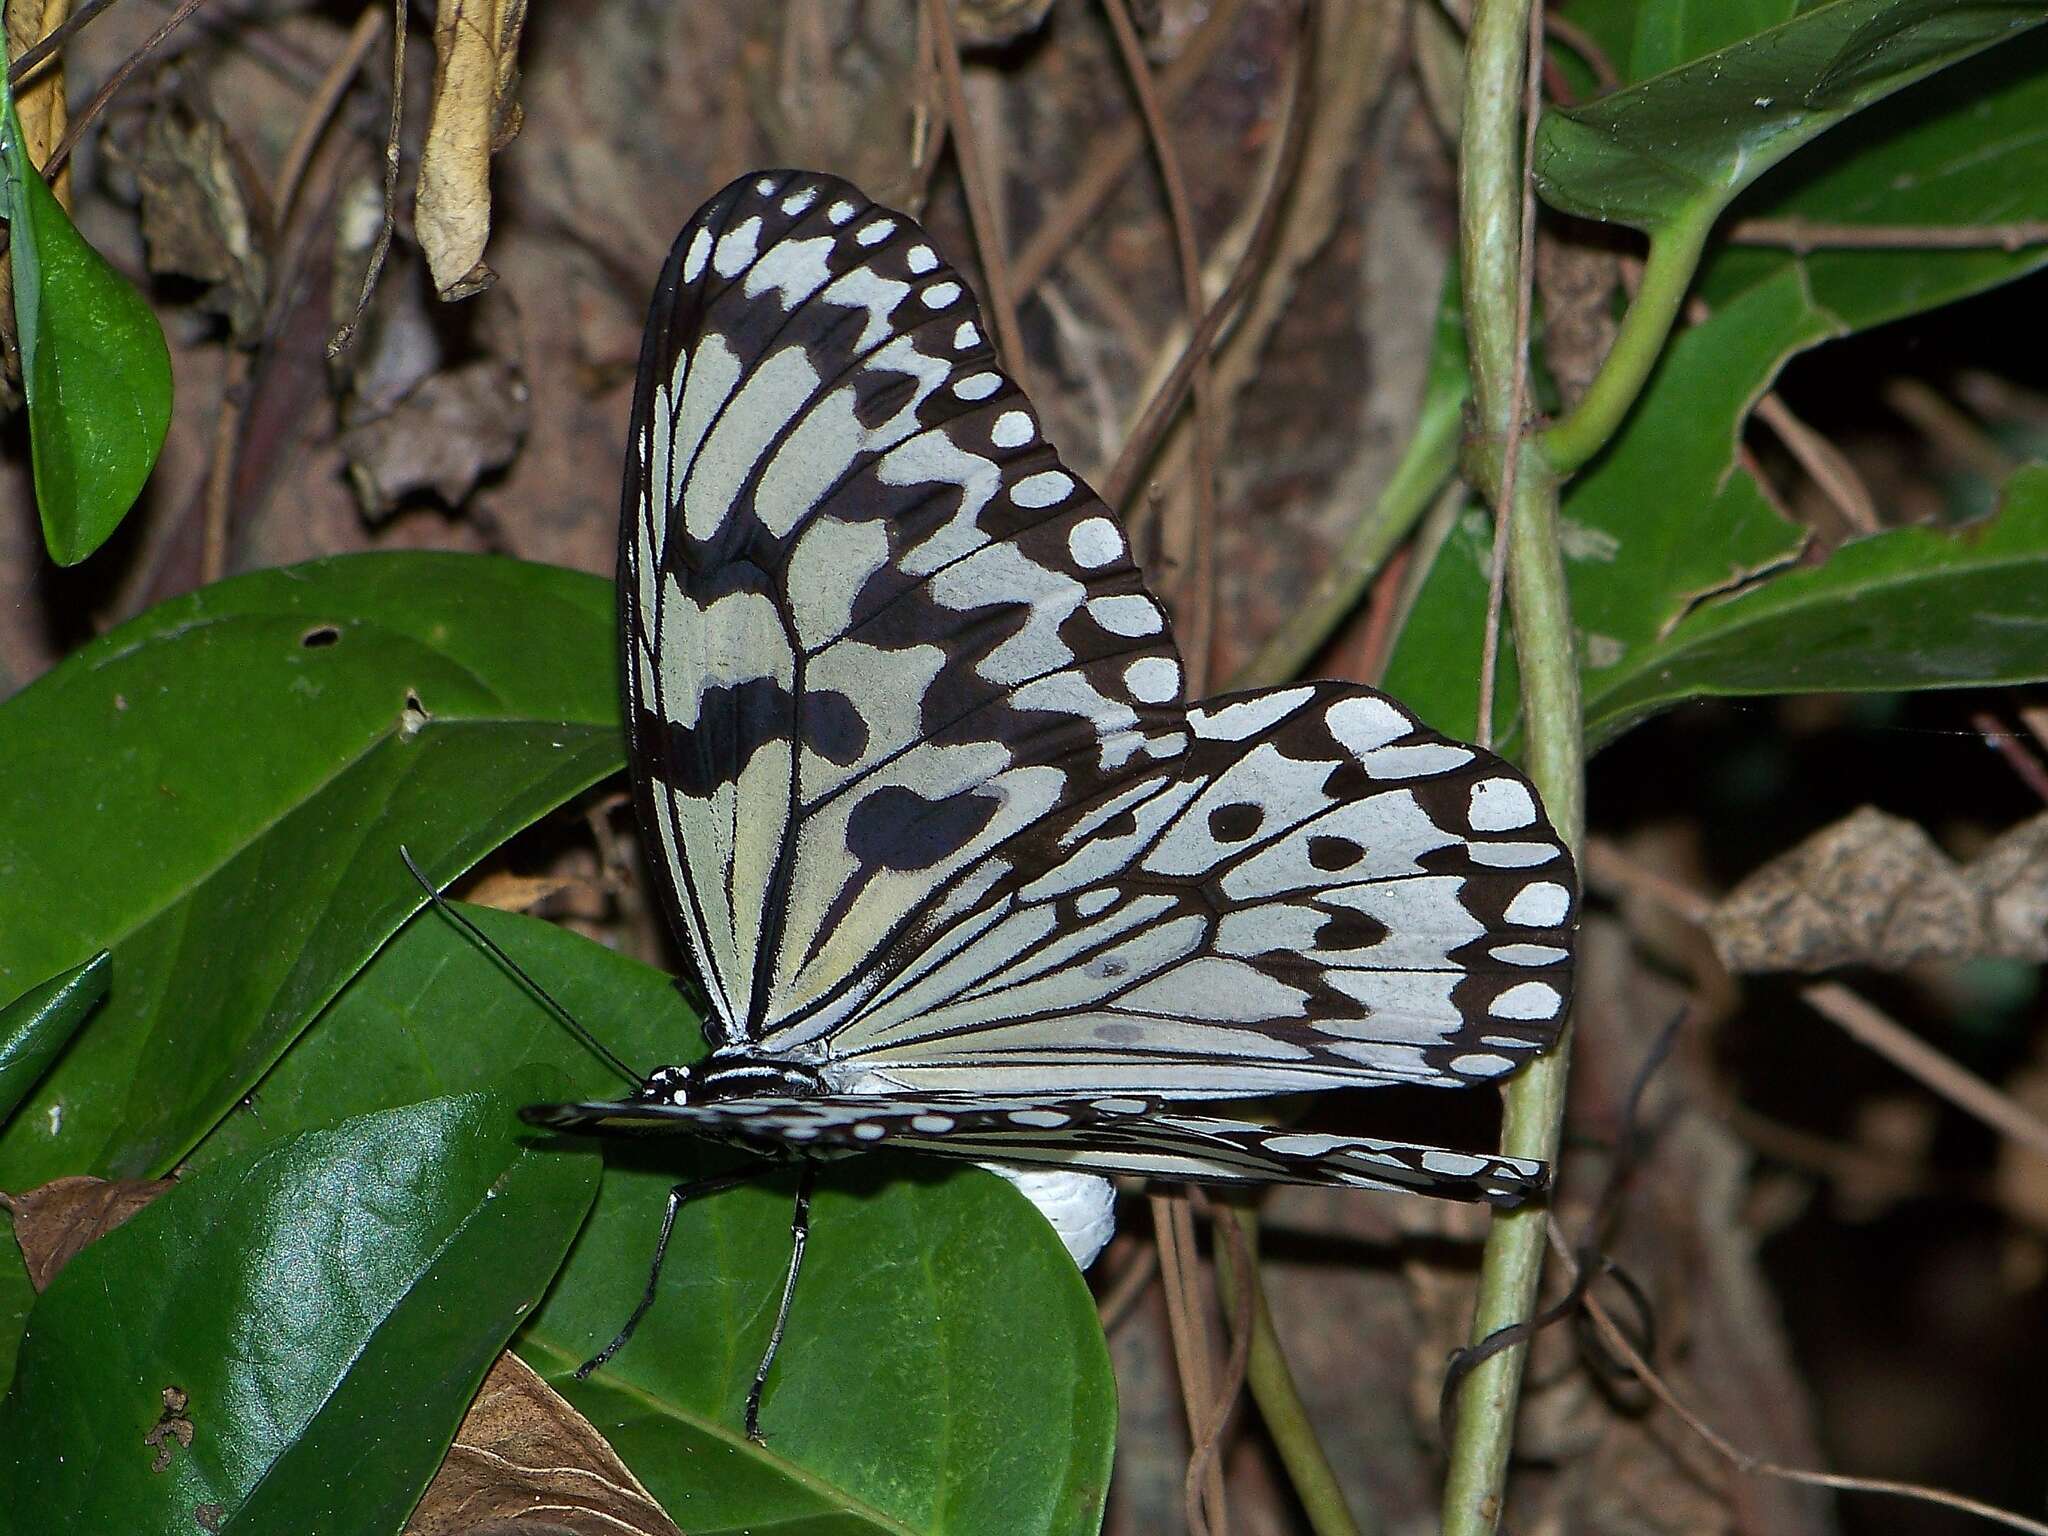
[(690, 1190), (800, 1232)]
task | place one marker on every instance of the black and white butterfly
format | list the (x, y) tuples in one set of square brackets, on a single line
[(961, 869)]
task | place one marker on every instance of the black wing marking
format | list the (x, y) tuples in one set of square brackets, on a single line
[(1111, 1135), (872, 627)]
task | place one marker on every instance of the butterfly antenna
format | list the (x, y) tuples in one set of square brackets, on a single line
[(491, 947)]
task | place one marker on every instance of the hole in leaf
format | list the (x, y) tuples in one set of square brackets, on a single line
[(324, 634)]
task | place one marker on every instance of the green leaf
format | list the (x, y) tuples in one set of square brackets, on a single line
[(1679, 146), (944, 1369), (1637, 551), (94, 366), (39, 1023), (217, 792), (324, 1310), (1911, 608)]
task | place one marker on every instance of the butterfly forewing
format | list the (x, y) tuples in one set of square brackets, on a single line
[(873, 628)]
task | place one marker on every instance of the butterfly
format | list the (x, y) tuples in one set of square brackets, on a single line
[(961, 869)]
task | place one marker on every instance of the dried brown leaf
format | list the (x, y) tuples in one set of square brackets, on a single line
[(1875, 890), (994, 23), (476, 70), (40, 103), (54, 1222), (524, 1462), (200, 216), (444, 436)]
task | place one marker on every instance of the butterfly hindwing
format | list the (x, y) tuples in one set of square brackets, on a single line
[(872, 626), (1320, 892), (1111, 1135)]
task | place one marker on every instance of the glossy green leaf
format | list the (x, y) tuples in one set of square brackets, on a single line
[(1681, 145), (944, 1369), (94, 366), (1911, 608), (39, 1023), (217, 792), (322, 1309)]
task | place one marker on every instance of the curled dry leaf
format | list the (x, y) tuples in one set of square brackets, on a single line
[(54, 1222), (524, 1462), (199, 218), (994, 23), (444, 436), (1875, 890), (476, 70), (40, 103)]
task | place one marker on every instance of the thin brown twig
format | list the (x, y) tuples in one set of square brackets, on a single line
[(113, 83), (1173, 1230), (928, 116), (1804, 235), (216, 505), (340, 340), (2008, 746), (1827, 464), (1518, 391), (1159, 411), (981, 211), (1204, 1458), (1129, 1287), (1624, 1349), (32, 58), (1109, 159), (1869, 1025), (1199, 612)]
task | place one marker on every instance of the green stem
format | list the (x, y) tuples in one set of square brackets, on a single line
[(1490, 223), (1667, 274), (1280, 1405)]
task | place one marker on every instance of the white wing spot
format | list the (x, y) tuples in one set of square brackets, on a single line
[(867, 1130), (978, 386), (797, 202), (875, 233), (697, 255), (840, 211), (932, 1124), (1126, 614), (737, 247), (1152, 679), (920, 259), (1454, 1164), (1365, 723), (1480, 1064), (1527, 1000), (765, 186), (1046, 489), (967, 338), (1012, 430), (1046, 1119), (1542, 905), (1089, 903), (1247, 717), (939, 295), (1121, 1106), (1501, 805), (1094, 543), (1529, 954)]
